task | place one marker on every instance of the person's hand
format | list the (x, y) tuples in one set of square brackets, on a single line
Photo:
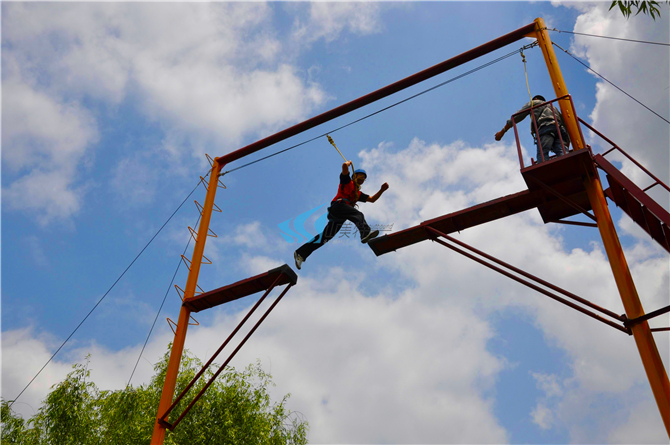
[(348, 163), (385, 186), (499, 135)]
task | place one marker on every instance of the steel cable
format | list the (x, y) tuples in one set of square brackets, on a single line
[(103, 297), (499, 59)]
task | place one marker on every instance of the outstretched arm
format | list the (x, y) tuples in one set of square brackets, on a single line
[(518, 118), (376, 196), (501, 133)]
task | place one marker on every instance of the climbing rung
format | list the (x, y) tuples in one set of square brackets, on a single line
[(210, 160), (172, 325), (181, 292), (187, 262), (193, 233), (205, 183), (655, 228), (216, 208), (205, 258)]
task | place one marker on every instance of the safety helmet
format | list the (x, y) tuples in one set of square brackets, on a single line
[(538, 97), (360, 171)]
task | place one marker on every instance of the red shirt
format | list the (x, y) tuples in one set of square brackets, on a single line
[(347, 191)]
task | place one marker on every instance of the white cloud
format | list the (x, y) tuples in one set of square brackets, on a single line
[(206, 73), (43, 139), (642, 71), (343, 356), (542, 416), (414, 361), (327, 20), (427, 172)]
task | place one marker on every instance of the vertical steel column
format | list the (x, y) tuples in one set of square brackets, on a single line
[(182, 325), (651, 359), (557, 81)]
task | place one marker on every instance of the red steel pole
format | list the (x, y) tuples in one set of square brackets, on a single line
[(381, 93)]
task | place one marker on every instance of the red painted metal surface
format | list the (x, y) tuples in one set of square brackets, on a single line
[(616, 147), (223, 345), (650, 315), (242, 288), (223, 366), (531, 285), (457, 221), (564, 148), (564, 176), (380, 93), (646, 212), (528, 275)]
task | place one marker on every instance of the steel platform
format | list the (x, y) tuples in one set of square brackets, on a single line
[(243, 288), (562, 175)]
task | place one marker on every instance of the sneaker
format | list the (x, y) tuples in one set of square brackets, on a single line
[(298, 259), (369, 236)]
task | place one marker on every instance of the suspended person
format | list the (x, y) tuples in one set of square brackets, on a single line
[(342, 209), (548, 129)]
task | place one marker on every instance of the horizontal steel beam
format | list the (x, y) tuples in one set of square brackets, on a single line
[(380, 93)]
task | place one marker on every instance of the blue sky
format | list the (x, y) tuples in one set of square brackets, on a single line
[(108, 110)]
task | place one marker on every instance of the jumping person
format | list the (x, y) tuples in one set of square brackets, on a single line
[(342, 209), (548, 128)]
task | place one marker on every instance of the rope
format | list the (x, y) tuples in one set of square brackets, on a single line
[(606, 80), (612, 38), (332, 142), (499, 59), (103, 297), (161, 306), (525, 71)]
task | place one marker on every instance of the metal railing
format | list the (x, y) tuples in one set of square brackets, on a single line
[(640, 166), (565, 147)]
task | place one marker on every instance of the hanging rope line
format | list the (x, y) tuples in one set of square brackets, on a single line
[(608, 81), (105, 295), (608, 37), (332, 142), (499, 59), (162, 304), (525, 71)]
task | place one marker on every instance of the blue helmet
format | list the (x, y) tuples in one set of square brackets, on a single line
[(361, 172)]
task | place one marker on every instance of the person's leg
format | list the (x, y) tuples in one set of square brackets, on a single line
[(356, 217), (334, 224), (547, 142), (557, 147)]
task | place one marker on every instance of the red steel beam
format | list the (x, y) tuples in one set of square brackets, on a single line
[(460, 220), (230, 357), (218, 351), (531, 276), (534, 287), (380, 93)]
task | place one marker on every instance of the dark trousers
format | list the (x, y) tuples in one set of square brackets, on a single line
[(338, 213), (549, 141)]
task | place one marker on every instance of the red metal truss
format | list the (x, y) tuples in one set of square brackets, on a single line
[(284, 274), (264, 282), (380, 93), (457, 221)]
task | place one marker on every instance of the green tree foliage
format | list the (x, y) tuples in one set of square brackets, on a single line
[(236, 409), (650, 7)]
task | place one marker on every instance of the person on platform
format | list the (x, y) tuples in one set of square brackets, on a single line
[(548, 128), (342, 209)]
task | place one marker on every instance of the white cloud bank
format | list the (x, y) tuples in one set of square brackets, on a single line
[(204, 72), (412, 364), (641, 70)]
